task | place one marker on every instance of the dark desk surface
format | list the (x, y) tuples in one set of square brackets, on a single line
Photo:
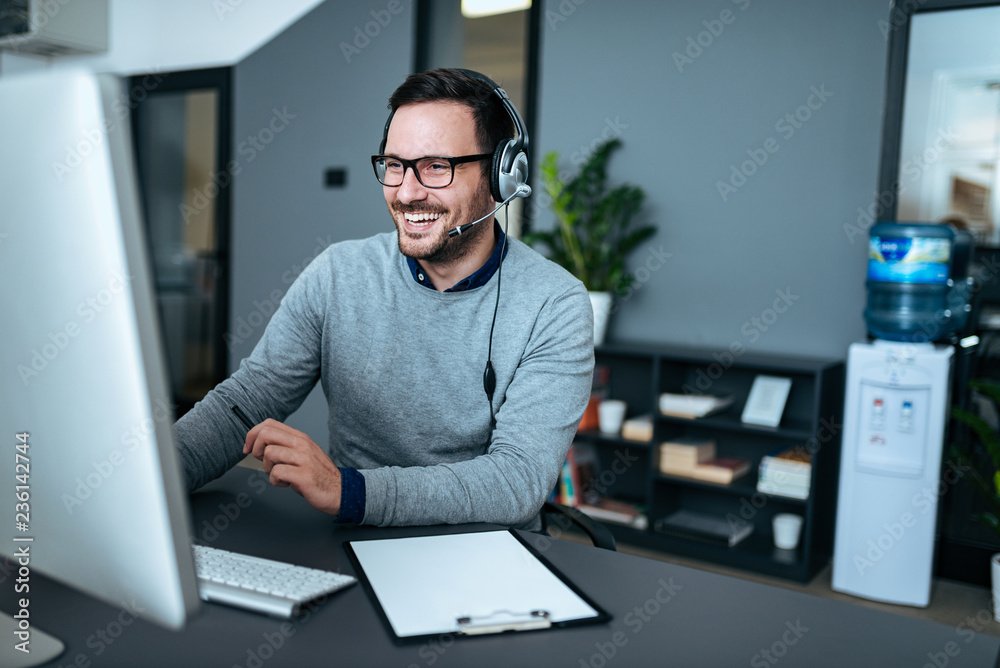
[(663, 614)]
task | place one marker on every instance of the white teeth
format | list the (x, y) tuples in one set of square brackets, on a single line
[(420, 217)]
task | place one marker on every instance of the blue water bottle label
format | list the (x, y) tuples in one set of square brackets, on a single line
[(908, 259)]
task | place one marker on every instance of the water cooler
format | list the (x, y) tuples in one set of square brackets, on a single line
[(896, 412)]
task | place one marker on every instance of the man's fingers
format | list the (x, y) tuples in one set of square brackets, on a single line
[(274, 433)]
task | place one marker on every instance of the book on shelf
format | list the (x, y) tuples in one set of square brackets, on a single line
[(786, 472), (783, 489), (569, 482), (617, 512), (685, 452), (599, 389), (692, 525), (722, 470), (591, 420), (696, 458), (796, 458), (639, 428), (692, 405)]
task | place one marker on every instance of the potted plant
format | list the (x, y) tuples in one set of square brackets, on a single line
[(979, 457), (594, 230)]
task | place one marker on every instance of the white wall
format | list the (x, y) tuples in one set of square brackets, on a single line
[(159, 36)]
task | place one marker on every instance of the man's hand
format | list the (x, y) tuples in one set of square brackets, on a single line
[(292, 459)]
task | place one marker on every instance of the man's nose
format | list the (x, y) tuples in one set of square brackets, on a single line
[(410, 190)]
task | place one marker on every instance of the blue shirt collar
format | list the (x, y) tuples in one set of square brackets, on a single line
[(477, 279)]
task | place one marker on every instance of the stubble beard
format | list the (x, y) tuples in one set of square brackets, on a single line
[(445, 250)]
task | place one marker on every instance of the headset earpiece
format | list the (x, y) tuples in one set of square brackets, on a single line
[(496, 187)]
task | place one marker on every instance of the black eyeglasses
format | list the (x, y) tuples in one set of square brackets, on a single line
[(431, 172)]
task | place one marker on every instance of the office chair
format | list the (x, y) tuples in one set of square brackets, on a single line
[(561, 516)]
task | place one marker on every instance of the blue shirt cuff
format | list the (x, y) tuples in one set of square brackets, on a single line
[(352, 496)]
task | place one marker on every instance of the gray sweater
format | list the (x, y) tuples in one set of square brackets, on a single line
[(402, 366)]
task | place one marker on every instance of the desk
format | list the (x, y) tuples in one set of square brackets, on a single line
[(663, 614)]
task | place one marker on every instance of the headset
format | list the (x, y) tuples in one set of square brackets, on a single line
[(509, 171)]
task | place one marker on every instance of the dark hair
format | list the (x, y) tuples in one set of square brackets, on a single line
[(493, 123)]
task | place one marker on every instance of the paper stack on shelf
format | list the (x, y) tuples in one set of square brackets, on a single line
[(692, 405), (617, 512), (786, 473), (704, 528), (696, 458), (639, 428), (682, 454)]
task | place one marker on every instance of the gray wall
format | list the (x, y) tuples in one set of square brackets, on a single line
[(609, 68), (767, 269), (282, 214)]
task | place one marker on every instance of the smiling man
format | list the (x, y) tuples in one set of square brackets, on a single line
[(398, 328)]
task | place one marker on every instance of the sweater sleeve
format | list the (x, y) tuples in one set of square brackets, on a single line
[(271, 383), (537, 416)]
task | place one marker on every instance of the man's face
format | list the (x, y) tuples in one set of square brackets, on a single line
[(424, 216)]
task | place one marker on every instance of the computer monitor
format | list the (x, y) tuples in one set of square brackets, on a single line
[(92, 487)]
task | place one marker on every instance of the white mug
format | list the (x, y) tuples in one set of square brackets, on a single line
[(611, 415), (787, 528)]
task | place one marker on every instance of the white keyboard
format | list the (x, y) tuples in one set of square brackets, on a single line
[(272, 587)]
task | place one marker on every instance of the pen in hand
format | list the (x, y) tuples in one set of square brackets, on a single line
[(243, 417)]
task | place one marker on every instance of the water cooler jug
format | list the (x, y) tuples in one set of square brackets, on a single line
[(896, 412)]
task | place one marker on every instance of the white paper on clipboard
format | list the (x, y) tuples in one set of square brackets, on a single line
[(426, 585)]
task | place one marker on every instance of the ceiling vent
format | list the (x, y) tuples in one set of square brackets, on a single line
[(54, 28)]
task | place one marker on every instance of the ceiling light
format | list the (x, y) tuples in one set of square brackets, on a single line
[(474, 9)]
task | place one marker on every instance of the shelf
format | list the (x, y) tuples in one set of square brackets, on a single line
[(594, 435), (742, 487), (792, 429), (639, 373)]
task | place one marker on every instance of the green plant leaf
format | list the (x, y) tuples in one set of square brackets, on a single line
[(595, 225)]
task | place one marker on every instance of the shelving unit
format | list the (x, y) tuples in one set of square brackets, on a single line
[(629, 470)]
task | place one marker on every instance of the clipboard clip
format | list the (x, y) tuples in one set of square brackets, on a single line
[(504, 620)]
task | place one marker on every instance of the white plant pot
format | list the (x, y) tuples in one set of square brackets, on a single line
[(601, 301), (995, 581)]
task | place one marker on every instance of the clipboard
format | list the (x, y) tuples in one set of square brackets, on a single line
[(467, 584)]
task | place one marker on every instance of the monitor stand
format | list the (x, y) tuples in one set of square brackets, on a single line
[(43, 647)]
